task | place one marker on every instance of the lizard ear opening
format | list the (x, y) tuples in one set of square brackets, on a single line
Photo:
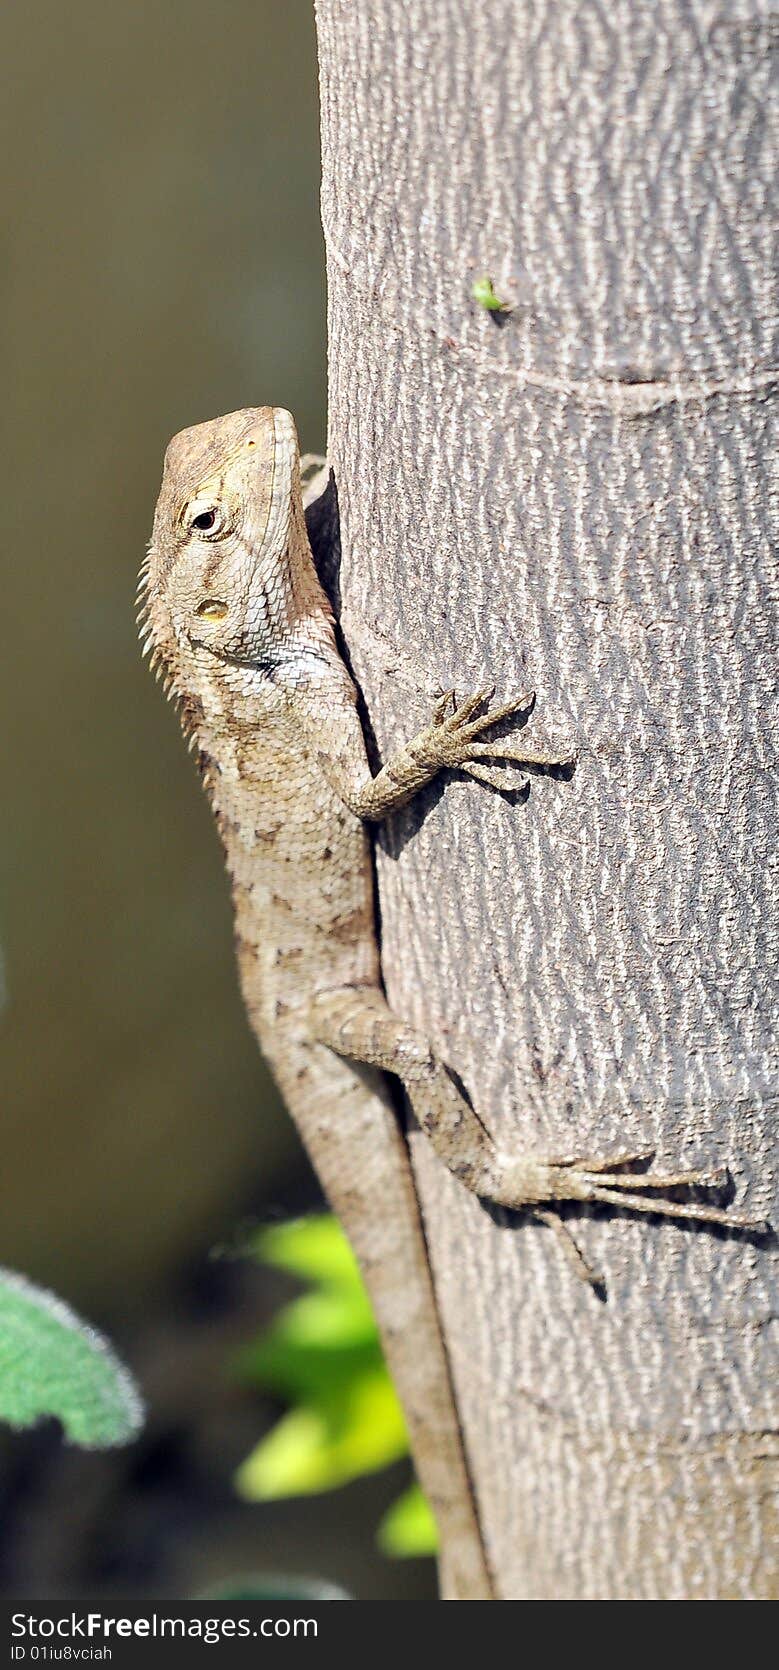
[(211, 608)]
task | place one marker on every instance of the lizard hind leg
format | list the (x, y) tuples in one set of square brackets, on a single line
[(357, 1023)]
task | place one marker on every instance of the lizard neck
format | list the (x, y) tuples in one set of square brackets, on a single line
[(290, 607), (289, 638)]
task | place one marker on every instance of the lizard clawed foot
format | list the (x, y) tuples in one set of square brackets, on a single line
[(456, 737), (536, 1183)]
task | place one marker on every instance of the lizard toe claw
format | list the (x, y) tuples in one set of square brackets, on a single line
[(459, 719)]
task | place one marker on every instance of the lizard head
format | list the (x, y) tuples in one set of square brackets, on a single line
[(216, 588)]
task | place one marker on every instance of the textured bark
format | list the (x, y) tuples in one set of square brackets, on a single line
[(576, 501)]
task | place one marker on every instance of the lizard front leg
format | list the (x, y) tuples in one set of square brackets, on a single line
[(357, 1023), (454, 738)]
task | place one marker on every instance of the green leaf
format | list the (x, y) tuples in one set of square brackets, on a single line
[(408, 1529), (323, 1354), (314, 1248), (52, 1363), (315, 1344), (330, 1320), (326, 1337), (328, 1441)]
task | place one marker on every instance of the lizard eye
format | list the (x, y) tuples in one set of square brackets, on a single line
[(202, 517), (205, 520), (211, 609)]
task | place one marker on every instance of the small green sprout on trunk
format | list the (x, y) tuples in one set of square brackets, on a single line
[(483, 292)]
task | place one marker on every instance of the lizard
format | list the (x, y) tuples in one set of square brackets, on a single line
[(237, 622)]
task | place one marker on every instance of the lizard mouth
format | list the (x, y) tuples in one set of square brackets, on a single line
[(253, 664)]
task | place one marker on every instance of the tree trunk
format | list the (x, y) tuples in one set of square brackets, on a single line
[(571, 498)]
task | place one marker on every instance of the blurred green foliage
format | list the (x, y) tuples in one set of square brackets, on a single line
[(322, 1355), (52, 1363), (408, 1527)]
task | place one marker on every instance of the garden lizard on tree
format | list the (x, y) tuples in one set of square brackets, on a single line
[(234, 613)]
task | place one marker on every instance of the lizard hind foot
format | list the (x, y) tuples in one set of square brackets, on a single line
[(615, 1187), (612, 1190), (537, 1183), (601, 1182)]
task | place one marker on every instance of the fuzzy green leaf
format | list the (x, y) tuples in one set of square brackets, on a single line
[(52, 1363)]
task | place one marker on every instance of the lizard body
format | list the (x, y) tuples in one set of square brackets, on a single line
[(239, 622)]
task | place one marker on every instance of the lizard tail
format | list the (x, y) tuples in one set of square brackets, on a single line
[(378, 1205)]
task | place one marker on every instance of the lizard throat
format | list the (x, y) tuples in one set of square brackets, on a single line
[(251, 663)]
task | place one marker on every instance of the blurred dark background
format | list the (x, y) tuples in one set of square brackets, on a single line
[(162, 262)]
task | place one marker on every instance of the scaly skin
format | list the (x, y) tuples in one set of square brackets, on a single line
[(236, 617)]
